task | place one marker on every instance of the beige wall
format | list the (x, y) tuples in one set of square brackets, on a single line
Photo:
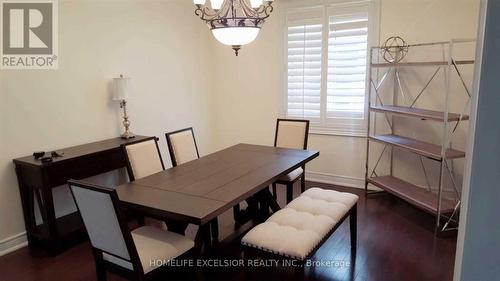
[(182, 77), (160, 44), (249, 90)]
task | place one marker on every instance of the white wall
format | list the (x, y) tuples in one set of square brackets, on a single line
[(250, 90), (160, 44)]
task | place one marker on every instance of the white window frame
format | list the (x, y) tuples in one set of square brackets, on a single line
[(341, 127)]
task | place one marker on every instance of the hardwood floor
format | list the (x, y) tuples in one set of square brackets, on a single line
[(395, 242)]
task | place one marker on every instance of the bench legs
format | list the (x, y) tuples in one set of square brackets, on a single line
[(353, 223)]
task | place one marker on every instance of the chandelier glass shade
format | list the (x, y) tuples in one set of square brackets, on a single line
[(234, 22)]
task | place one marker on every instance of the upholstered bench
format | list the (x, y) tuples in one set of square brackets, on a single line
[(300, 228)]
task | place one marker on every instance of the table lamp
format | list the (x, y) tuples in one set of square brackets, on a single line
[(122, 93)]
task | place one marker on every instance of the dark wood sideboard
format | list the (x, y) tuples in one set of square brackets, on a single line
[(36, 180)]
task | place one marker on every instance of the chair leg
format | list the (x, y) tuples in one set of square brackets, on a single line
[(101, 273), (99, 266), (275, 195), (303, 183), (139, 277), (353, 223), (289, 193)]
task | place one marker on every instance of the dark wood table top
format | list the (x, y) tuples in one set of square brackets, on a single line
[(200, 190), (83, 150)]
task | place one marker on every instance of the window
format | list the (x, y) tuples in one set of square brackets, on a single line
[(326, 54), (347, 50), (304, 70)]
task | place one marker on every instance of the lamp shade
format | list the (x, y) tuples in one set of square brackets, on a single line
[(256, 3), (236, 36), (216, 4), (121, 89)]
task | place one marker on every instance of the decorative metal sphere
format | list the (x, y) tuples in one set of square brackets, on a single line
[(394, 49)]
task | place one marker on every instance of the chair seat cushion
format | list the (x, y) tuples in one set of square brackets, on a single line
[(297, 229), (293, 175), (154, 244)]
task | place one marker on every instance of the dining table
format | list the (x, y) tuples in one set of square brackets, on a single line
[(199, 191)]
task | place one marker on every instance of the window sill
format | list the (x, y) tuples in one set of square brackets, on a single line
[(341, 132)]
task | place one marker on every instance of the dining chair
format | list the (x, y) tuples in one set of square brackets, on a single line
[(144, 159), (291, 133), (135, 254), (182, 148)]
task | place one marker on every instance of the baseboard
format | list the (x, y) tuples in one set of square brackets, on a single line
[(13, 243), (335, 179)]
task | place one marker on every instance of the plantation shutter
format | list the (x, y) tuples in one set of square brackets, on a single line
[(347, 59), (304, 55)]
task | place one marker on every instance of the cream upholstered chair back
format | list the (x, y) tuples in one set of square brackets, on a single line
[(291, 133), (144, 159), (182, 146), (101, 218)]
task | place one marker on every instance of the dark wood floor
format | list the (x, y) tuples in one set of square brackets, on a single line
[(395, 242)]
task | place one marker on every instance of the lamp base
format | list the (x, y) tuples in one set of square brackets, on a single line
[(127, 135), (126, 123)]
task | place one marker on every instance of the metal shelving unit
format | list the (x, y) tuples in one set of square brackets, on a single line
[(428, 199)]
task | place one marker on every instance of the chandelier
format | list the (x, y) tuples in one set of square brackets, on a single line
[(234, 22)]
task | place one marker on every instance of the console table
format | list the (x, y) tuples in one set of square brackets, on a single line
[(36, 180)]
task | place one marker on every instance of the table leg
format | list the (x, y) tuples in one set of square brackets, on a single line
[(263, 205), (27, 201), (250, 211), (177, 227), (202, 239), (237, 212), (214, 230), (270, 201), (253, 204), (50, 221)]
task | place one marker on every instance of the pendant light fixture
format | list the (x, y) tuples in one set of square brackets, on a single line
[(234, 22)]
